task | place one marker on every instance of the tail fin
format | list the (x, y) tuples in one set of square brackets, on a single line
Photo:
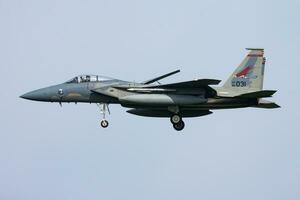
[(249, 75)]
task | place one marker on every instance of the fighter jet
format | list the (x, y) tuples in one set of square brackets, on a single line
[(194, 98)]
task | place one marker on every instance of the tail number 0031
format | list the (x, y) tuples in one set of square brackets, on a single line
[(238, 83)]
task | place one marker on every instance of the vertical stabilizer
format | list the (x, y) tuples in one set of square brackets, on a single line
[(249, 75)]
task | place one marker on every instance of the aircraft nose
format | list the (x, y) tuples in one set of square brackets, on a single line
[(48, 94), (36, 95)]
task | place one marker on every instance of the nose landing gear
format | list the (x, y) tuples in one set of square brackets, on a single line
[(103, 108)]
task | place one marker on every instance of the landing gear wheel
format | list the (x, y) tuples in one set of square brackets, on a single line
[(175, 119), (104, 123), (179, 126)]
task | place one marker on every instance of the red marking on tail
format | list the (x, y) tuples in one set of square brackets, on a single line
[(244, 72)]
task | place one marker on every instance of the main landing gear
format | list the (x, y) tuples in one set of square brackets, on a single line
[(177, 122), (103, 108)]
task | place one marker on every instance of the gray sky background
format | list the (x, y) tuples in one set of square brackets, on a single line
[(48, 152)]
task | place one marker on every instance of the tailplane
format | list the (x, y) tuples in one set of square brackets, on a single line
[(258, 94), (266, 104)]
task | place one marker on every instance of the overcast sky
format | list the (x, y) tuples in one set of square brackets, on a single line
[(48, 152)]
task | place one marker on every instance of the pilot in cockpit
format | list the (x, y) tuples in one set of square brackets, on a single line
[(82, 79), (88, 78)]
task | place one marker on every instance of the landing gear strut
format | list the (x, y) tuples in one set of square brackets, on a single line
[(103, 108), (177, 122)]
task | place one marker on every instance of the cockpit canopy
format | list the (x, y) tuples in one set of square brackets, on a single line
[(88, 78)]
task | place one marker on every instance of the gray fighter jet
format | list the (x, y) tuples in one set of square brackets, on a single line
[(176, 101)]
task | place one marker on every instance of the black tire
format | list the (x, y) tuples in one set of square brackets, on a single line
[(104, 123), (179, 126), (175, 119)]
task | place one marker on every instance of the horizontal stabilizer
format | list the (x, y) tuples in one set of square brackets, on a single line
[(266, 104), (258, 94)]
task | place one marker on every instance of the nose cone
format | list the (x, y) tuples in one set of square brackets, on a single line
[(43, 94), (36, 95)]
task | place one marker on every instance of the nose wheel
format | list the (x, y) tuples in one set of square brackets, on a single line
[(104, 123), (103, 108)]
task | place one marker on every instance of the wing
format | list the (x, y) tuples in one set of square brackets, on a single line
[(195, 87), (199, 83)]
